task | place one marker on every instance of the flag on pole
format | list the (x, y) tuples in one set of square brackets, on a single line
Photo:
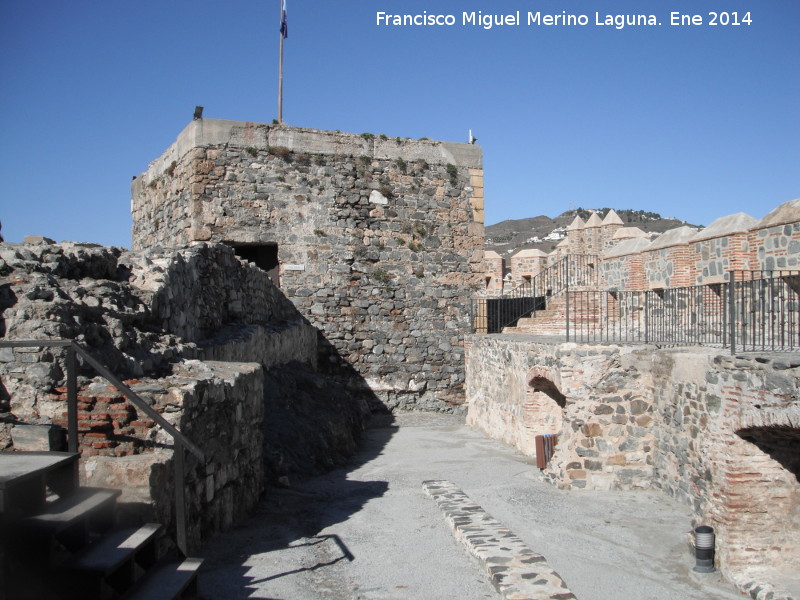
[(284, 26)]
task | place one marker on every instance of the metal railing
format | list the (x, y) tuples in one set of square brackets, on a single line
[(180, 441), (765, 309), (493, 314), (672, 316), (571, 271), (752, 311)]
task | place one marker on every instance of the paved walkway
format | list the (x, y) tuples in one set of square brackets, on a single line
[(370, 532)]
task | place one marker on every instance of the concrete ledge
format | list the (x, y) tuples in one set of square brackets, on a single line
[(516, 571)]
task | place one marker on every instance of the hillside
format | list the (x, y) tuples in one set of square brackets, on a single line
[(543, 233)]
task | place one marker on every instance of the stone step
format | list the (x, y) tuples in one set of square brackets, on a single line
[(115, 549), (72, 518), (110, 565), (167, 580), (25, 478)]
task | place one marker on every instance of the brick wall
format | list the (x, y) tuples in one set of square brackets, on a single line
[(681, 257)]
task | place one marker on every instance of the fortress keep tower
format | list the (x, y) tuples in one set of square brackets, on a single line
[(377, 241)]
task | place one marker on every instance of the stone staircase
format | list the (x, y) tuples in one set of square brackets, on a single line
[(585, 311), (59, 540)]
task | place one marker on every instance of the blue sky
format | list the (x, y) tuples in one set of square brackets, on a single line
[(694, 122)]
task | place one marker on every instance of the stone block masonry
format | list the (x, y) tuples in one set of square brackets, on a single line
[(192, 331), (377, 241)]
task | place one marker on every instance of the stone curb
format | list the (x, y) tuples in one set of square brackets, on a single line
[(516, 571)]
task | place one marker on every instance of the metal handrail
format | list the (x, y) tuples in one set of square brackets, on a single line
[(573, 270), (179, 439)]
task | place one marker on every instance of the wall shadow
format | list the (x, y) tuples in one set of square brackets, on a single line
[(287, 542)]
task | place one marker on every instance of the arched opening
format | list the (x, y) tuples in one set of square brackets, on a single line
[(548, 388), (761, 514), (543, 416), (781, 443)]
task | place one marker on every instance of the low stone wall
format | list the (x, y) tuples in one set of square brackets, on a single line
[(605, 428), (720, 433), (219, 407)]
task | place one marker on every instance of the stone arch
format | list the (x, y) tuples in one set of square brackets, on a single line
[(759, 519), (543, 410)]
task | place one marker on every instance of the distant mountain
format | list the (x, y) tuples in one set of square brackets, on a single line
[(543, 233)]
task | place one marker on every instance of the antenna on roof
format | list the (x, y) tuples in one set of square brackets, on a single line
[(472, 139)]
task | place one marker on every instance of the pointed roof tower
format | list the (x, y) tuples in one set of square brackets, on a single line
[(594, 221), (612, 218), (577, 223)]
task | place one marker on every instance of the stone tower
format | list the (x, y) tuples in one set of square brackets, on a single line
[(377, 241)]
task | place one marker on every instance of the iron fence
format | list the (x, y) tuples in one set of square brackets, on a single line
[(752, 311), (571, 271), (493, 314), (765, 306)]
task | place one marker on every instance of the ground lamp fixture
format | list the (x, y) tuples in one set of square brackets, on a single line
[(704, 549)]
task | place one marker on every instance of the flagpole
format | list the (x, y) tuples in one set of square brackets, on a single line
[(280, 68)]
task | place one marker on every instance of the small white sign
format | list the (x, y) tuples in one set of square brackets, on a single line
[(294, 267)]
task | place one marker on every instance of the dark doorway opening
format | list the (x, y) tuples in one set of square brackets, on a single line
[(264, 256), (781, 442)]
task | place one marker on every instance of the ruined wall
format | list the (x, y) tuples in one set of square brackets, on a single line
[(717, 432), (606, 432), (379, 240), (218, 406), (139, 312), (149, 317)]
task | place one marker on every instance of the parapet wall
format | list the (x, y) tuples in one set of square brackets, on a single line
[(377, 241), (684, 257), (717, 432)]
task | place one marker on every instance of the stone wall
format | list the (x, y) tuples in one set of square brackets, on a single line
[(152, 318), (776, 239), (377, 241), (218, 406), (717, 432), (605, 431), (140, 312), (494, 269)]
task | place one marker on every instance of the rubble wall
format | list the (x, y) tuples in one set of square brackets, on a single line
[(219, 407), (191, 331), (379, 240)]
